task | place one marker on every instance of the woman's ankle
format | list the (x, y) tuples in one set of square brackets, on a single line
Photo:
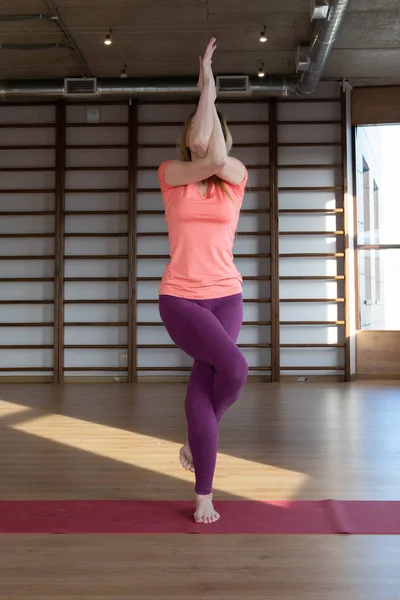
[(201, 495)]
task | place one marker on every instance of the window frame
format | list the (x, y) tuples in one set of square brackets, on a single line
[(357, 246)]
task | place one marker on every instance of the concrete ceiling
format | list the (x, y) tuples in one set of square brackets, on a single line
[(164, 37)]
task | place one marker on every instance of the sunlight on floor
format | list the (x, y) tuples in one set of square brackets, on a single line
[(8, 408), (245, 478)]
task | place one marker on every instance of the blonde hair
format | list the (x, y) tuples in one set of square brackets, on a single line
[(186, 155)]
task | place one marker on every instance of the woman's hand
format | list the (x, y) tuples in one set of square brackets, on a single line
[(203, 123), (205, 73), (207, 58)]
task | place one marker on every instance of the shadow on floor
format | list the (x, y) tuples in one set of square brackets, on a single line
[(278, 442)]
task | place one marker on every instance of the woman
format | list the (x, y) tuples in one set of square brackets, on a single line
[(201, 291)]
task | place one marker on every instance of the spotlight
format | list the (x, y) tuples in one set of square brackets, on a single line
[(261, 72), (123, 73), (107, 39), (263, 34)]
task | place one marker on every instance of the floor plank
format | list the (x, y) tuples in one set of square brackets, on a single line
[(279, 442), (199, 567)]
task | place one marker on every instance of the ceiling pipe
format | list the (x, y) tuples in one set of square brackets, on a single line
[(19, 89), (137, 87), (129, 88), (319, 52)]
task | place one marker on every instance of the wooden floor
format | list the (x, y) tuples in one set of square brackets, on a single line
[(287, 441)]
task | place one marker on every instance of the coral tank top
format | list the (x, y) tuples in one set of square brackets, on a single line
[(201, 232)]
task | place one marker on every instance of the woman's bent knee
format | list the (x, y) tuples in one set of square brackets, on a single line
[(240, 371)]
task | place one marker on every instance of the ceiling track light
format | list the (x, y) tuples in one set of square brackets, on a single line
[(263, 34), (261, 72), (107, 39), (124, 74)]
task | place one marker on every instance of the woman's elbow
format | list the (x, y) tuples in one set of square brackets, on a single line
[(199, 148), (219, 161)]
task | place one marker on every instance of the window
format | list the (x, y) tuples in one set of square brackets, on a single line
[(378, 226)]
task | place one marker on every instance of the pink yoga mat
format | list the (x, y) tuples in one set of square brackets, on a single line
[(367, 517), (240, 517)]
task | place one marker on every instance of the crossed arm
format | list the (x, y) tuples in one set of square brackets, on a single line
[(206, 138)]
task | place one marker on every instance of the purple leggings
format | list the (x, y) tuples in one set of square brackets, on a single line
[(207, 330)]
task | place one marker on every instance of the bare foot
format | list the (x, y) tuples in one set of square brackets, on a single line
[(186, 458), (205, 512)]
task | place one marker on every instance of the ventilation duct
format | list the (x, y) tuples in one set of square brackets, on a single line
[(324, 37), (131, 88), (318, 53), (80, 86), (302, 60), (319, 9), (233, 85)]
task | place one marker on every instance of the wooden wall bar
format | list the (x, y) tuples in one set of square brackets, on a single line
[(311, 237), (274, 210), (58, 374), (110, 244), (29, 199), (132, 244), (100, 241)]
